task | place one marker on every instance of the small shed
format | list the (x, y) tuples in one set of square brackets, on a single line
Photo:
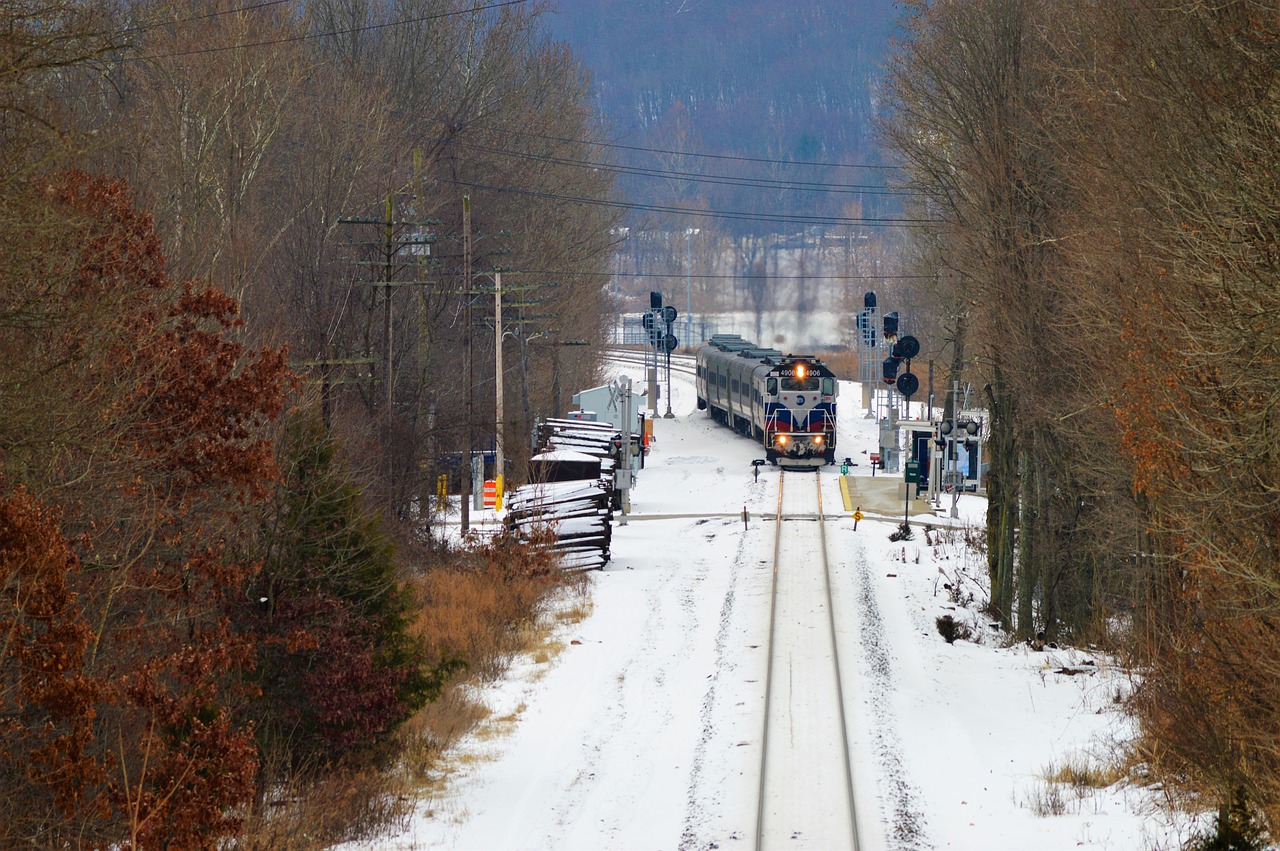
[(563, 465), (606, 403)]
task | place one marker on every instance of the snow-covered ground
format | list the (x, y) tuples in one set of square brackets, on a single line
[(644, 732)]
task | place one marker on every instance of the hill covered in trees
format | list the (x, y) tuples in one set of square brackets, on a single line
[(788, 82), (233, 377)]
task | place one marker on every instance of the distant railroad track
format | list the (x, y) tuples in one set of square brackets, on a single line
[(682, 364), (806, 797)]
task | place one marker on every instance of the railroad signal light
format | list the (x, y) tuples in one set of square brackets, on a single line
[(890, 368), (891, 325), (908, 384), (906, 348)]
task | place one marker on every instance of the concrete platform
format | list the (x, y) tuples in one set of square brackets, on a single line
[(883, 496)]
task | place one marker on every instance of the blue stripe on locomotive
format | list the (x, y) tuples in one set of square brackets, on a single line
[(811, 419)]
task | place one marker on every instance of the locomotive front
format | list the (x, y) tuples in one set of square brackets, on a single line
[(800, 413)]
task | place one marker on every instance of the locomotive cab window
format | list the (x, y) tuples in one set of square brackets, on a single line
[(795, 384), (828, 386), (771, 387)]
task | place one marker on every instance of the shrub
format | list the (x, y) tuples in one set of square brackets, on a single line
[(951, 629), (1235, 829), (903, 533), (339, 665)]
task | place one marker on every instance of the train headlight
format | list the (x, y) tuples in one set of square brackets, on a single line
[(800, 370), (817, 440), (782, 440)]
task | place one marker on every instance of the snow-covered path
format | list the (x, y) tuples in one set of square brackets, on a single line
[(645, 731)]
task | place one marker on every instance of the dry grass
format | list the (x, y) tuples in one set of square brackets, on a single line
[(1082, 774), (333, 807), (843, 362), (1068, 785), (494, 605), (484, 606)]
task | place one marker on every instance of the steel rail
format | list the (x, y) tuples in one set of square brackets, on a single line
[(846, 768), (682, 364), (768, 673), (835, 663)]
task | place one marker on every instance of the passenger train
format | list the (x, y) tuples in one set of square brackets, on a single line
[(785, 402)]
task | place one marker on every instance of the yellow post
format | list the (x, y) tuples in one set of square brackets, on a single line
[(442, 492), (497, 493), (844, 493)]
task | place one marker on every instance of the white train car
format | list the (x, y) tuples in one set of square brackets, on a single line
[(787, 403)]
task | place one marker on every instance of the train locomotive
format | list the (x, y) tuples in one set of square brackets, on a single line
[(785, 402)]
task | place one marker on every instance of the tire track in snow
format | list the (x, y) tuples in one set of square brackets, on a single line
[(629, 718), (907, 826), (699, 799)]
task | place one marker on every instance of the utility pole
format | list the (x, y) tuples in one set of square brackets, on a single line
[(469, 368), (499, 470), (622, 473), (397, 236), (387, 274)]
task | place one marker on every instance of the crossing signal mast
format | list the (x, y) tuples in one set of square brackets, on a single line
[(884, 358), (658, 322)]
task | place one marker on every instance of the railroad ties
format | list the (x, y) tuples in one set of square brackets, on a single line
[(571, 492)]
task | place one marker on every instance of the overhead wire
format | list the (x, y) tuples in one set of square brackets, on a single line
[(730, 157), (717, 277), (731, 215), (346, 31), (694, 177), (204, 17)]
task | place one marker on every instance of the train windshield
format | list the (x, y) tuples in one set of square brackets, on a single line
[(795, 384)]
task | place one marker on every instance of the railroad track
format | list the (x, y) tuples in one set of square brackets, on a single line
[(683, 364), (806, 797)]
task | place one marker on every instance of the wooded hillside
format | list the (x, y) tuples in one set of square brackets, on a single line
[(1102, 180), (797, 81), (246, 327)]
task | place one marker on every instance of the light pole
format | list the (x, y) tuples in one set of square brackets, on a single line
[(688, 284), (498, 469)]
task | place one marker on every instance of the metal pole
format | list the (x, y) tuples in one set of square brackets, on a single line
[(688, 291), (499, 468), (623, 473), (469, 389), (951, 449), (668, 415)]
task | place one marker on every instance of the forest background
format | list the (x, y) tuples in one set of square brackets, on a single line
[(1101, 185), (234, 271), (245, 317)]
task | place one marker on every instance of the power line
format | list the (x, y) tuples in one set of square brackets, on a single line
[(145, 27), (720, 277), (694, 177), (347, 31), (730, 157), (731, 215)]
